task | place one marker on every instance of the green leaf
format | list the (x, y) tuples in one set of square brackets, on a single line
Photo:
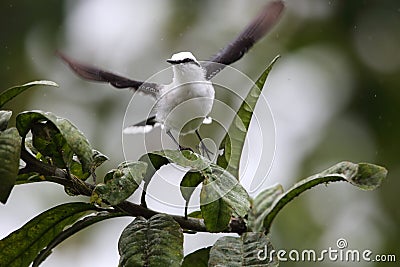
[(22, 246), (214, 210), (50, 143), (220, 195), (76, 167), (154, 163), (198, 258), (73, 136), (251, 249), (16, 90), (154, 242), (76, 227), (261, 205), (233, 142), (10, 150), (196, 214), (5, 116), (188, 184), (184, 158), (98, 159), (229, 189), (124, 182), (368, 176), (363, 175)]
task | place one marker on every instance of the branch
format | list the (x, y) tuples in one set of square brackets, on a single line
[(79, 187), (35, 165)]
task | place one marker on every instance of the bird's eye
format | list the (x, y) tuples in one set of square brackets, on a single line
[(190, 60)]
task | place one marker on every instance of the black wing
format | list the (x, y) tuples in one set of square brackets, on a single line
[(144, 126), (95, 74), (267, 18)]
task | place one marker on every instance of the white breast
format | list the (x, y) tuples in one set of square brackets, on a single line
[(183, 107)]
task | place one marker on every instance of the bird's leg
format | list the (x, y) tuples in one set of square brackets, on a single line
[(203, 147), (176, 142)]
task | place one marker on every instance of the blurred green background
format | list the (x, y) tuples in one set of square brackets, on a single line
[(334, 96)]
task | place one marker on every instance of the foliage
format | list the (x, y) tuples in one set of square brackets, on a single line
[(58, 152)]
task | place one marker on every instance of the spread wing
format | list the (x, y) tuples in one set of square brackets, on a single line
[(95, 74), (265, 20), (144, 126)]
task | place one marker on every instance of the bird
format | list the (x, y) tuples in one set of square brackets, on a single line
[(185, 104)]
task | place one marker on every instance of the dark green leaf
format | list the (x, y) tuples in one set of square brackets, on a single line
[(261, 206), (77, 141), (154, 242), (216, 213), (198, 258), (16, 90), (22, 246), (76, 227), (154, 163), (125, 180), (73, 137), (233, 142), (188, 184), (5, 116), (50, 143), (363, 175), (251, 249), (229, 189), (10, 149)]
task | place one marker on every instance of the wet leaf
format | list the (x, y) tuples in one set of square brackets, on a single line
[(73, 229), (250, 249), (12, 92), (10, 149), (5, 116), (365, 176), (120, 183), (74, 138), (154, 242), (233, 142), (261, 206), (22, 246)]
